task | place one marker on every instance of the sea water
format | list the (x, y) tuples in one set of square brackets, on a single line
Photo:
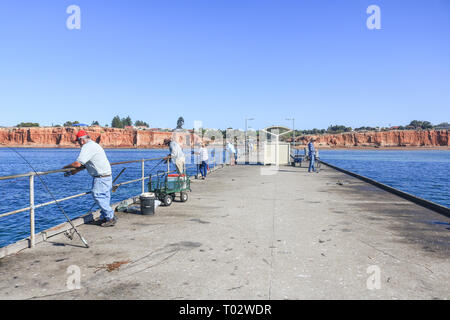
[(423, 173), (14, 193)]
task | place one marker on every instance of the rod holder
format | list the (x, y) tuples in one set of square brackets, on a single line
[(32, 226)]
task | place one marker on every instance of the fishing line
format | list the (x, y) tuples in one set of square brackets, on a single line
[(157, 165), (51, 194), (114, 188)]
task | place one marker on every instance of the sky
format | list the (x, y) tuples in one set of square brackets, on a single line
[(222, 61)]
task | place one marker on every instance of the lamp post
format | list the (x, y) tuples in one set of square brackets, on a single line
[(246, 142)]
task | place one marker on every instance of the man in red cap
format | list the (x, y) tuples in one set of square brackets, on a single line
[(93, 158)]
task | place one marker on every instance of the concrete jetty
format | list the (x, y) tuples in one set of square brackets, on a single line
[(242, 234)]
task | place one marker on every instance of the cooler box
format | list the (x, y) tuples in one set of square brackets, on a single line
[(176, 181)]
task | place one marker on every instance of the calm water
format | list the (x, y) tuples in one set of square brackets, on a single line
[(424, 173), (14, 194)]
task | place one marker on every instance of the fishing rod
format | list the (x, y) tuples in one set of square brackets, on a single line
[(163, 159), (51, 194), (114, 188), (193, 152)]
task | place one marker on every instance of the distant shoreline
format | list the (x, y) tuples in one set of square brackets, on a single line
[(74, 147), (379, 148), (299, 147), (113, 138)]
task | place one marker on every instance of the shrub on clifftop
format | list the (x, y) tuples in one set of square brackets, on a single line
[(27, 124)]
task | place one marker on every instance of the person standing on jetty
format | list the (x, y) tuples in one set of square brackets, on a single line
[(236, 149), (203, 152), (93, 158), (312, 155), (232, 153), (176, 154)]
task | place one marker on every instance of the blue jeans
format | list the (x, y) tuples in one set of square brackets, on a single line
[(311, 163), (101, 191), (203, 168)]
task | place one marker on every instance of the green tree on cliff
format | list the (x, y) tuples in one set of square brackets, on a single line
[(127, 121), (421, 124), (338, 129), (27, 124), (116, 122), (70, 123), (121, 123), (443, 125), (139, 123)]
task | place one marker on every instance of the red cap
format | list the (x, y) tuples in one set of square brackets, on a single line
[(81, 133)]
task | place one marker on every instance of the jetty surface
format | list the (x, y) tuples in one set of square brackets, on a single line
[(250, 234)]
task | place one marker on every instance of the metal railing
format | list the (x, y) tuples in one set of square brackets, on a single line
[(405, 195), (32, 207), (31, 175)]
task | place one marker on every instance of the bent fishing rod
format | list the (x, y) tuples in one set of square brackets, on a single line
[(115, 187), (51, 194)]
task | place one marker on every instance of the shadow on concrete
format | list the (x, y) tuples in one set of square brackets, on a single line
[(410, 222), (61, 244)]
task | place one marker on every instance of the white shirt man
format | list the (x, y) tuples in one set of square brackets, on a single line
[(203, 154), (176, 154), (204, 160), (232, 152), (93, 158)]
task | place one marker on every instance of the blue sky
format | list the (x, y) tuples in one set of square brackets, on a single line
[(220, 61)]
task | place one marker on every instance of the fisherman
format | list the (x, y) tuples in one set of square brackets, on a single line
[(250, 146), (232, 152), (311, 154), (176, 154), (236, 149), (203, 152), (93, 158)]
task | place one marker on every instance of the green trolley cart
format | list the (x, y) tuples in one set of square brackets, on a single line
[(166, 186)]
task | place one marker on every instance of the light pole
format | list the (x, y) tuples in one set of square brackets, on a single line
[(293, 131), (246, 142)]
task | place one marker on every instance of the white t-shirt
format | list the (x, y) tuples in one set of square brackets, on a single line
[(175, 151), (203, 154), (231, 148), (93, 157)]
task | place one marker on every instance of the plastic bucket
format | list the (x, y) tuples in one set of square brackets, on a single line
[(147, 203)]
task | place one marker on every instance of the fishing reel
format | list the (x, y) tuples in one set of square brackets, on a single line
[(69, 234)]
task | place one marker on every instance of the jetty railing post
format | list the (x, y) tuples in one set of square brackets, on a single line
[(198, 165), (32, 229), (143, 175)]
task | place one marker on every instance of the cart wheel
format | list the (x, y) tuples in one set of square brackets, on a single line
[(167, 200), (184, 196)]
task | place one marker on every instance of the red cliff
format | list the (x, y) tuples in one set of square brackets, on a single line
[(396, 138), (107, 137), (126, 138)]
